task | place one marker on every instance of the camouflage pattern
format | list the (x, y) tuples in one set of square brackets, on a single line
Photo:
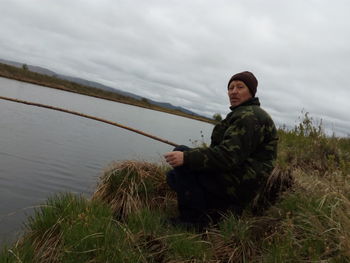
[(241, 155)]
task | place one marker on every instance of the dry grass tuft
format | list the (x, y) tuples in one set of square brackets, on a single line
[(47, 249), (129, 186)]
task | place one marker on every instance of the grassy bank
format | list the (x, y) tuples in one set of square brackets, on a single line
[(125, 220), (25, 75)]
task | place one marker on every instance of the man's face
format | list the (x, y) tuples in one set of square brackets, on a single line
[(238, 93)]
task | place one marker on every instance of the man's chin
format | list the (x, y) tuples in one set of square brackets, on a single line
[(234, 103)]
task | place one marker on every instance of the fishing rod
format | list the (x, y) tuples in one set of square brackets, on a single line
[(89, 117)]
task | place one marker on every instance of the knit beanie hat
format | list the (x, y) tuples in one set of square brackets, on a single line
[(248, 78)]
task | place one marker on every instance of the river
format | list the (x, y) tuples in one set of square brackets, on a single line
[(44, 152)]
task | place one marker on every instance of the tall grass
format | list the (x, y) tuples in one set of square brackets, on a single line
[(302, 214)]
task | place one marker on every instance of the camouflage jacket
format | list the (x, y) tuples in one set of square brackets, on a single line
[(242, 152)]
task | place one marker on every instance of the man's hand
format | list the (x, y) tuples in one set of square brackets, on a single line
[(175, 158)]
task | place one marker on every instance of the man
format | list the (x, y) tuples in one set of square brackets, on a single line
[(229, 173)]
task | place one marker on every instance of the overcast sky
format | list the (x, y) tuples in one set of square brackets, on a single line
[(184, 52)]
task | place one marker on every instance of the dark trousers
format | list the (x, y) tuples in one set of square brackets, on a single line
[(195, 200)]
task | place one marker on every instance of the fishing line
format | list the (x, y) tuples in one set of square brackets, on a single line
[(89, 117)]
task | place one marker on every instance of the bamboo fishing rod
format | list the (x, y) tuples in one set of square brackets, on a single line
[(89, 117)]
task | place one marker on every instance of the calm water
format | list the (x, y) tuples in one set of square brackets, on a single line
[(43, 152)]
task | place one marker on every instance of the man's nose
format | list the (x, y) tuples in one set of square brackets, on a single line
[(233, 91)]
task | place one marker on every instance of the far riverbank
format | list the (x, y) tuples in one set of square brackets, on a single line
[(25, 75)]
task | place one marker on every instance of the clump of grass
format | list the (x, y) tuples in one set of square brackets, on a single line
[(130, 186), (161, 242), (188, 247), (70, 228), (233, 240)]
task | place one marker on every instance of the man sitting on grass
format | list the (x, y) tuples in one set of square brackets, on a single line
[(228, 174)]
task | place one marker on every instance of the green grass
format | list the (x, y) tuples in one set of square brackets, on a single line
[(70, 228), (306, 215)]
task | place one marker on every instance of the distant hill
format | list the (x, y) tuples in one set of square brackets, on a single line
[(30, 67), (97, 85)]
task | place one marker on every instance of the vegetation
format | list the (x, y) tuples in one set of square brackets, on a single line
[(217, 117), (302, 214), (24, 74)]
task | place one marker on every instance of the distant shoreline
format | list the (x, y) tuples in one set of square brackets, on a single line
[(24, 75)]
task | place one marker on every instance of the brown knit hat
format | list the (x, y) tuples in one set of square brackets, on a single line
[(248, 78)]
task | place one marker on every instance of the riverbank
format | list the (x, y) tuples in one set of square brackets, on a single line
[(308, 219), (23, 74)]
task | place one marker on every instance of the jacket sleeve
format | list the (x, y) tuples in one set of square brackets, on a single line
[(240, 139)]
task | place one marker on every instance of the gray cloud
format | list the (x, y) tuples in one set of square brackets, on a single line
[(184, 52)]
